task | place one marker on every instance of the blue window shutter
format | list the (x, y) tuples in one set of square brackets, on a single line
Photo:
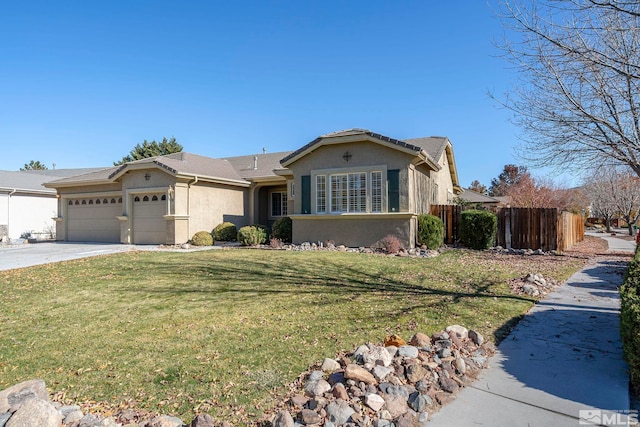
[(393, 184), (306, 194)]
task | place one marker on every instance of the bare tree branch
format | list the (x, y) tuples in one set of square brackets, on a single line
[(579, 62)]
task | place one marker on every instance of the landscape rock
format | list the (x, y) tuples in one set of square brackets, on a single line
[(340, 392), (377, 353), (394, 340), (460, 331), (530, 290), (419, 402), (22, 392), (299, 400), (283, 419), (357, 373), (406, 420), (330, 365), (476, 337), (35, 412), (415, 373), (339, 412), (73, 417), (307, 416), (420, 340), (317, 388), (381, 372), (202, 420), (374, 401), (408, 351), (395, 404), (4, 417), (448, 384), (89, 420)]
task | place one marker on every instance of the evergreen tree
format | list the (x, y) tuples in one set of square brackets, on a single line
[(151, 149)]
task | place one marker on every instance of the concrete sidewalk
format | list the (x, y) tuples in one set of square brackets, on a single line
[(562, 361)]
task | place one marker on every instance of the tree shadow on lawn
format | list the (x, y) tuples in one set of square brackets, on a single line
[(240, 282)]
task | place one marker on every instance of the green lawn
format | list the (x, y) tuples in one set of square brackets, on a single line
[(225, 331)]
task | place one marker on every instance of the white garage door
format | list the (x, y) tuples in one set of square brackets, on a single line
[(149, 226), (94, 219)]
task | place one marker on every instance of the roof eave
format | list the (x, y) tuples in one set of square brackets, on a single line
[(25, 190), (453, 170), (214, 179), (283, 172), (57, 185), (371, 137)]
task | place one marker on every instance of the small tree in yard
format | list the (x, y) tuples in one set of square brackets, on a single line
[(430, 231), (478, 229)]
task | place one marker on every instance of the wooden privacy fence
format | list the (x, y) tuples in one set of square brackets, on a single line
[(521, 228)]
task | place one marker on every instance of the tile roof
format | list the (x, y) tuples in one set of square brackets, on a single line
[(434, 146), (189, 164), (266, 163), (64, 173), (100, 175), (33, 181), (472, 196), (177, 164)]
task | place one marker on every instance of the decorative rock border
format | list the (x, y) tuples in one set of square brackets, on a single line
[(396, 384)]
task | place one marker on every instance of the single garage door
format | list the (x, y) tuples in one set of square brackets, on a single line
[(94, 219), (149, 225)]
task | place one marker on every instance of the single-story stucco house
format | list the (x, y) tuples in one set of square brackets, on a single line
[(26, 205), (352, 187)]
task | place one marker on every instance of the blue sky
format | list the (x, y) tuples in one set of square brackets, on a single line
[(82, 83)]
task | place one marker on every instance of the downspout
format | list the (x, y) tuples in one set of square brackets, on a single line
[(195, 181), (9, 212)]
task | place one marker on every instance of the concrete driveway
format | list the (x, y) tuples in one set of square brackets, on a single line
[(19, 256)]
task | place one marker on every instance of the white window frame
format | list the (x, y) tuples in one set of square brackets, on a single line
[(376, 192), (366, 204), (320, 208)]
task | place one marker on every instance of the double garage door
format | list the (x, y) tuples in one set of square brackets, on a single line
[(95, 219)]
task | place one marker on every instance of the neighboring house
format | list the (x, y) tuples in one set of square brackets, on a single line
[(353, 187), (479, 200), (26, 205)]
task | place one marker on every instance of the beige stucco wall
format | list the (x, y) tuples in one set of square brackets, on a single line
[(445, 185), (211, 204), (354, 230), (363, 154), (423, 189)]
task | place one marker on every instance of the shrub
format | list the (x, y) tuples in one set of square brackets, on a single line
[(630, 320), (275, 243), (252, 235), (225, 232), (391, 244), (478, 229), (281, 229), (430, 231), (202, 238)]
